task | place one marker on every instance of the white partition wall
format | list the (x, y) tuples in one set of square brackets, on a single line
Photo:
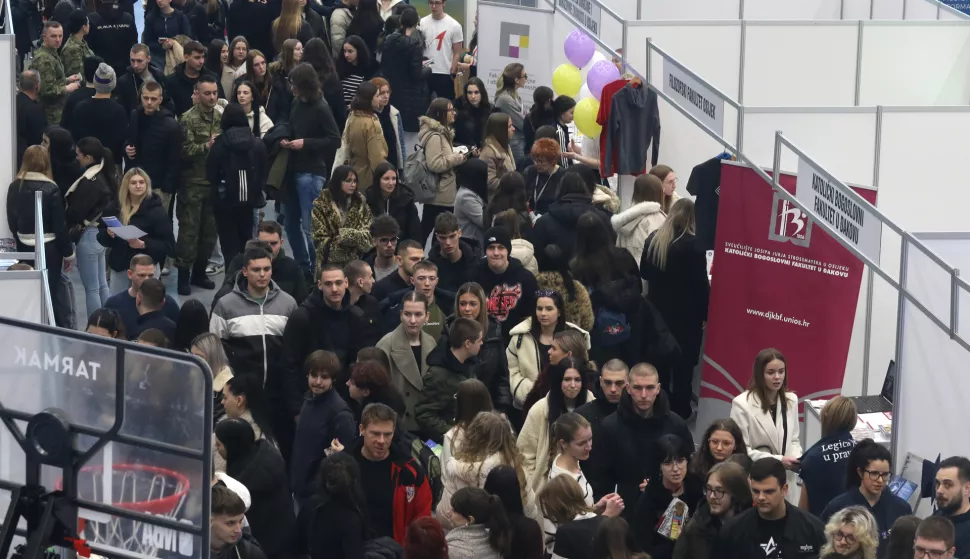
[(659, 10), (8, 130), (813, 10), (915, 64), (792, 64)]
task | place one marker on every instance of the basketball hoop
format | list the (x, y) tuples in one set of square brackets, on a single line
[(139, 488)]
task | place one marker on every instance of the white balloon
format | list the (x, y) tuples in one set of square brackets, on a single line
[(584, 93)]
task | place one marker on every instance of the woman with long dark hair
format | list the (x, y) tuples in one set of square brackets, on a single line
[(367, 24), (497, 151), (316, 53), (482, 528), (557, 277), (504, 482), (566, 392), (472, 111), (335, 521), (243, 397), (354, 67), (401, 66), (281, 98), (597, 261), (635, 224), (65, 168), (363, 137), (162, 24), (391, 124), (676, 273), (238, 53), (507, 100), (86, 200), (247, 96), (387, 196), (541, 114), (614, 540), (510, 195), (217, 62), (341, 220), (721, 439), (257, 73), (437, 139)]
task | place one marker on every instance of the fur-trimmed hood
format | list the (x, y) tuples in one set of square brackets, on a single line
[(628, 220), (430, 125)]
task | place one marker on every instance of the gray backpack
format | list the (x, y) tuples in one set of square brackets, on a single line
[(422, 183)]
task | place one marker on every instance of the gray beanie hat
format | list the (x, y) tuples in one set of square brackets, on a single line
[(104, 79)]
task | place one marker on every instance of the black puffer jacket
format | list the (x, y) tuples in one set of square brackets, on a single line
[(281, 98), (151, 218), (113, 33), (492, 366), (271, 516), (400, 206), (630, 441), (558, 226), (21, 212), (87, 200), (158, 146), (237, 168), (401, 67), (470, 123)]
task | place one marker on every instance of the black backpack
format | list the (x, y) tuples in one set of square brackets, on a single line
[(240, 183), (421, 453)]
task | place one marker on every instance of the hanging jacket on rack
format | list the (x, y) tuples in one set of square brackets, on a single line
[(705, 184), (630, 117)]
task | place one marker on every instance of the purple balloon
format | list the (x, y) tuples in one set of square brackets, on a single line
[(601, 74), (579, 48)]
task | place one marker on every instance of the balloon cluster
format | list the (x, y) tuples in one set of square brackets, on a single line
[(568, 80)]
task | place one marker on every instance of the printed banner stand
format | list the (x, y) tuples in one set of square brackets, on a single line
[(586, 12), (776, 282), (697, 98), (509, 34)]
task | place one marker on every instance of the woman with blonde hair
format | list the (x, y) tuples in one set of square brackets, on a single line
[(487, 443), (208, 347), (507, 100), (35, 176), (471, 399), (676, 273), (668, 180), (290, 25), (136, 205), (561, 502), (851, 533), (634, 225), (823, 465)]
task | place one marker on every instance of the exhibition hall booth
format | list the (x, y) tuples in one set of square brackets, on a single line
[(838, 235)]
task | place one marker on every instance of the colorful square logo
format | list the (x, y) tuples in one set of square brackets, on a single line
[(514, 40)]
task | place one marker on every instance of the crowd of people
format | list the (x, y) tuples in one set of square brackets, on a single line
[(465, 306)]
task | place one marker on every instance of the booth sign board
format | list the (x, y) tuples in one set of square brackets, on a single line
[(697, 98), (586, 12), (853, 221)]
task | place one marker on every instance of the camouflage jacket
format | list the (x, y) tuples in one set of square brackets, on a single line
[(197, 128), (73, 54), (48, 65)]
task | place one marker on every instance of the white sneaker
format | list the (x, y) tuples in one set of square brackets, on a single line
[(212, 270), (166, 271)]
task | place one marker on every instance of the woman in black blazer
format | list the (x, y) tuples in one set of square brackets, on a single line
[(676, 273)]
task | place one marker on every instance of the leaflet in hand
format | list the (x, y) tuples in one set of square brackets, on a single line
[(126, 232)]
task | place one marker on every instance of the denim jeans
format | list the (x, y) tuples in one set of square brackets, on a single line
[(298, 223), (91, 268)]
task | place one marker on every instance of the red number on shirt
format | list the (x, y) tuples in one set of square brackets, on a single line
[(440, 38)]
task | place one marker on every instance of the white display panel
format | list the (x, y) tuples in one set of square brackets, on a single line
[(8, 129), (887, 9), (933, 377), (842, 140), (792, 9), (816, 62), (855, 9), (916, 64), (659, 10), (920, 10), (683, 145), (691, 45)]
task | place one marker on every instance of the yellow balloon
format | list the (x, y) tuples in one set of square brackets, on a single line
[(567, 80), (585, 117)]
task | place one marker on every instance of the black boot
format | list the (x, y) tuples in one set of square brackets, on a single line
[(184, 288), (199, 278)]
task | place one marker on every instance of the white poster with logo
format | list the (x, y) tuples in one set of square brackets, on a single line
[(513, 34)]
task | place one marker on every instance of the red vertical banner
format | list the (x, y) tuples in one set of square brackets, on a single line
[(779, 280)]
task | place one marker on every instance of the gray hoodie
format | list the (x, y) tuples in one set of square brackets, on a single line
[(470, 542), (634, 122)]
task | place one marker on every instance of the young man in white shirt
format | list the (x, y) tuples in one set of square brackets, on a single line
[(443, 43)]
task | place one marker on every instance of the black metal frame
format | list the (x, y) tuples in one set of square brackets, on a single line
[(113, 434)]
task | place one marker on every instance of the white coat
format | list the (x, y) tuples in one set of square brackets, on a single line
[(526, 253), (523, 358), (533, 443), (765, 437), (635, 225)]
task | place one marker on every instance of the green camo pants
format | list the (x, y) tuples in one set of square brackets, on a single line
[(197, 225)]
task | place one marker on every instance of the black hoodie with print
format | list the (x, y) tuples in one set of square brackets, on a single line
[(510, 296)]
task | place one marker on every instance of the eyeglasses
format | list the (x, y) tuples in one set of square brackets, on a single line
[(919, 552), (387, 240), (842, 536), (716, 492), (875, 476), (679, 463)]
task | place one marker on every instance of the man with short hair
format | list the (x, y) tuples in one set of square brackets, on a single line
[(181, 84), (140, 71), (629, 435), (510, 289), (360, 283), (113, 33), (935, 538), (150, 302), (154, 142), (196, 214), (772, 529), (953, 499), (609, 390), (55, 84), (441, 303), (456, 259), (83, 93), (325, 320), (448, 365), (101, 116), (75, 48), (407, 255), (443, 42), (395, 485), (141, 268), (226, 537), (384, 234), (286, 272), (31, 118)]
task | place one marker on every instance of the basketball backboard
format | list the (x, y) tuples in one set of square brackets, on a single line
[(143, 419)]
